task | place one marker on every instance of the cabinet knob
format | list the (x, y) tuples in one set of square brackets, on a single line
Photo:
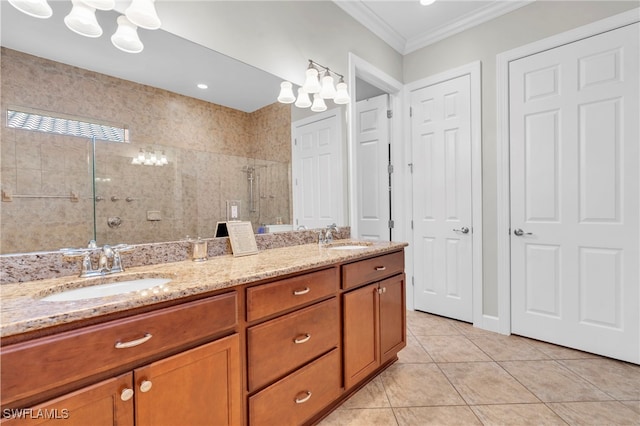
[(145, 386), (302, 339), (304, 399), (126, 394)]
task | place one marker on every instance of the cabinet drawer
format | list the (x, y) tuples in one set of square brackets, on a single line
[(286, 343), (267, 299), (40, 365), (374, 269), (298, 397)]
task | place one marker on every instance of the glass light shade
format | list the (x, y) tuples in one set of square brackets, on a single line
[(342, 96), (35, 8), (328, 90), (142, 13), (311, 83), (286, 95), (318, 104), (303, 100), (100, 4), (82, 20), (163, 159), (126, 36)]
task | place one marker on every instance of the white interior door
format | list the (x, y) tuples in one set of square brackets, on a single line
[(574, 194), (442, 198), (317, 171), (372, 151)]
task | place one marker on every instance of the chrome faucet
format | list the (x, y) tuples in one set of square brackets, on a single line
[(326, 237), (109, 261)]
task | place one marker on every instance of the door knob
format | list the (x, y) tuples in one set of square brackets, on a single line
[(464, 230), (519, 232)]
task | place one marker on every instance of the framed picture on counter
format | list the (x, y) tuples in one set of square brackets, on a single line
[(243, 241)]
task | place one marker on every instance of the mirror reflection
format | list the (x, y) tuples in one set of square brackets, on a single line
[(214, 154)]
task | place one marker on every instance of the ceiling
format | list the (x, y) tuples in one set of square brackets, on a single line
[(175, 64)]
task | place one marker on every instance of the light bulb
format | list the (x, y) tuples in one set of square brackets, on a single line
[(126, 36), (311, 84), (163, 159), (35, 8), (328, 91), (342, 96), (286, 95), (82, 20), (142, 13), (318, 104), (303, 100)]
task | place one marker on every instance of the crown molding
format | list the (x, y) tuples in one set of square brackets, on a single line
[(463, 23), (361, 13)]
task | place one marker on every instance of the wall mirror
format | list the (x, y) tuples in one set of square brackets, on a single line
[(231, 149)]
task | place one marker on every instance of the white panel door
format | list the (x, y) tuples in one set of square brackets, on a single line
[(442, 198), (317, 172), (574, 195), (372, 151)]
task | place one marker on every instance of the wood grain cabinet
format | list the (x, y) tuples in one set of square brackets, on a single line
[(374, 321), (197, 385)]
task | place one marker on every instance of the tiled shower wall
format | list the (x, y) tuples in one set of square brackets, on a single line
[(208, 146)]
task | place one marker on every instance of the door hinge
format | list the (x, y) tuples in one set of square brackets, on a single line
[(295, 141), (389, 113), (390, 168), (412, 224), (391, 224), (413, 281), (410, 111), (410, 167)]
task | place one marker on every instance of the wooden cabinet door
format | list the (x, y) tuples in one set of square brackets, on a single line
[(361, 344), (392, 317), (200, 386), (97, 405)]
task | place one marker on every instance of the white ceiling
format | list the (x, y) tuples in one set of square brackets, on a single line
[(175, 64), (407, 26)]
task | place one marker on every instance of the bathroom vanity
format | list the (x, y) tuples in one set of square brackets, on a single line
[(281, 337)]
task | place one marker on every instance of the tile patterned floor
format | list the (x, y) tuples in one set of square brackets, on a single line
[(453, 374)]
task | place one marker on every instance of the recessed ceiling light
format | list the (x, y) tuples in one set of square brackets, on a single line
[(427, 2), (202, 86)]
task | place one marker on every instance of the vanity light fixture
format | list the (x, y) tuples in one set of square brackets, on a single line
[(82, 19), (150, 158), (320, 89)]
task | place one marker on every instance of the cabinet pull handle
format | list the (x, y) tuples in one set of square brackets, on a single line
[(298, 340), (131, 344), (303, 399), (381, 268), (126, 394), (145, 386), (301, 292)]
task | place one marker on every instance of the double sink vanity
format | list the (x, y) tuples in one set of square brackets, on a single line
[(277, 338)]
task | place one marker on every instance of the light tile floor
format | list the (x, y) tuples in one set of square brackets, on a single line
[(453, 374)]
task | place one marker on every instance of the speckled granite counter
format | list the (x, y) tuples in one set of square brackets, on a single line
[(22, 309)]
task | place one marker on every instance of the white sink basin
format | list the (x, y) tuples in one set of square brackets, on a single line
[(109, 289), (349, 247)]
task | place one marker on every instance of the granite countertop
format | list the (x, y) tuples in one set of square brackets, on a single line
[(22, 310)]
